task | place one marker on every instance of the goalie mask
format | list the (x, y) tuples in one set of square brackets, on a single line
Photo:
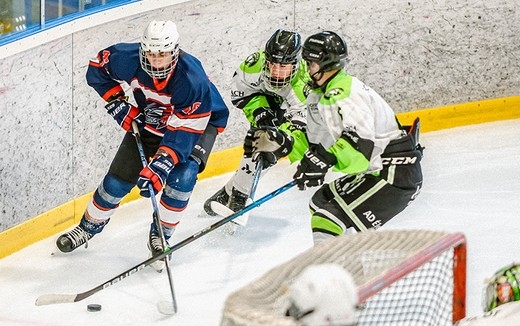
[(322, 295), (282, 55), (159, 49), (503, 287)]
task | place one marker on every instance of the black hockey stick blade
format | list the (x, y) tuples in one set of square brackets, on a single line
[(47, 299)]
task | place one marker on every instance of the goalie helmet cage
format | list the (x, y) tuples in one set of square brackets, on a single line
[(412, 277)]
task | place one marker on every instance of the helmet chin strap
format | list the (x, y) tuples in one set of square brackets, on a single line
[(315, 78)]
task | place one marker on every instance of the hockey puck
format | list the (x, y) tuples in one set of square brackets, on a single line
[(94, 307)]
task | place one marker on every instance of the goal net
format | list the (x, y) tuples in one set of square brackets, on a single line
[(414, 278)]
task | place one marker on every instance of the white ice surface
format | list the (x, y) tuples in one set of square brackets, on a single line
[(471, 185)]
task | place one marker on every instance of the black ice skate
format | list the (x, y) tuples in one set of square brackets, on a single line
[(223, 204), (156, 248), (80, 235), (237, 201), (76, 237), (221, 197)]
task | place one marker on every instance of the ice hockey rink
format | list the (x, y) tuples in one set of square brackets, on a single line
[(471, 185)]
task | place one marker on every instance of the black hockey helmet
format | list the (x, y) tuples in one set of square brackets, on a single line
[(326, 48), (283, 47)]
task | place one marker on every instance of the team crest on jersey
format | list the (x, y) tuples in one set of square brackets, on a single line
[(157, 115), (190, 109), (252, 59), (333, 92), (103, 57), (307, 89)]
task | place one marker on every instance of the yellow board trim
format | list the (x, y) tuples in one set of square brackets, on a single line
[(69, 214), (458, 115)]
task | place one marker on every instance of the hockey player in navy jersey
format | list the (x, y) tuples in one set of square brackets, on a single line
[(352, 129), (179, 113), (270, 88)]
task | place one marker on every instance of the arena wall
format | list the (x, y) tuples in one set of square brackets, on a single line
[(58, 141)]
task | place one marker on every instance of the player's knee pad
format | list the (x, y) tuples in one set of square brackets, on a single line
[(179, 185), (183, 176), (110, 192)]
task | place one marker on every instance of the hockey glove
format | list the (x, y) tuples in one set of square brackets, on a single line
[(313, 167), (267, 144), (265, 117), (155, 173), (124, 113)]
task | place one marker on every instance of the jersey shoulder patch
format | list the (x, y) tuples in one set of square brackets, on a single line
[(335, 92), (252, 59), (307, 89)]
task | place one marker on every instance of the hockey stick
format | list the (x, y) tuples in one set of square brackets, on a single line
[(47, 299), (164, 308), (259, 168)]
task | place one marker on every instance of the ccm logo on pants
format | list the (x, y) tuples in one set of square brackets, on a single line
[(399, 160)]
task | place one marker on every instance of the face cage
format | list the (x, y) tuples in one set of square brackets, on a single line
[(161, 73), (275, 83)]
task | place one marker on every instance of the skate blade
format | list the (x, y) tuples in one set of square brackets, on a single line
[(158, 265), (220, 210), (225, 211)]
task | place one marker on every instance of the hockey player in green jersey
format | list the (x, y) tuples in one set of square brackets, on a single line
[(270, 88), (352, 129)]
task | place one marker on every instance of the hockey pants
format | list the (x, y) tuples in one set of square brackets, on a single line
[(368, 201)]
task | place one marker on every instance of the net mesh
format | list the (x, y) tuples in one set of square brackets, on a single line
[(403, 278)]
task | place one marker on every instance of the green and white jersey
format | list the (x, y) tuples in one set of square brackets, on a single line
[(249, 91), (347, 104)]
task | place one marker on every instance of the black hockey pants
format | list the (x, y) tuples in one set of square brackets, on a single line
[(368, 201), (127, 164)]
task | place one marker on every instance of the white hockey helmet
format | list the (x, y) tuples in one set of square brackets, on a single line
[(159, 37), (322, 295)]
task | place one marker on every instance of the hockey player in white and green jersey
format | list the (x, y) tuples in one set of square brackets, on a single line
[(352, 129), (270, 87)]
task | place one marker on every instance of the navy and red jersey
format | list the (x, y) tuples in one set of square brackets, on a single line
[(177, 108)]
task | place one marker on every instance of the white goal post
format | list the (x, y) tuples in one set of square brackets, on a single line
[(412, 277)]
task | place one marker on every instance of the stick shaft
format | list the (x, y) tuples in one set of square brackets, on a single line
[(156, 216), (68, 298)]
